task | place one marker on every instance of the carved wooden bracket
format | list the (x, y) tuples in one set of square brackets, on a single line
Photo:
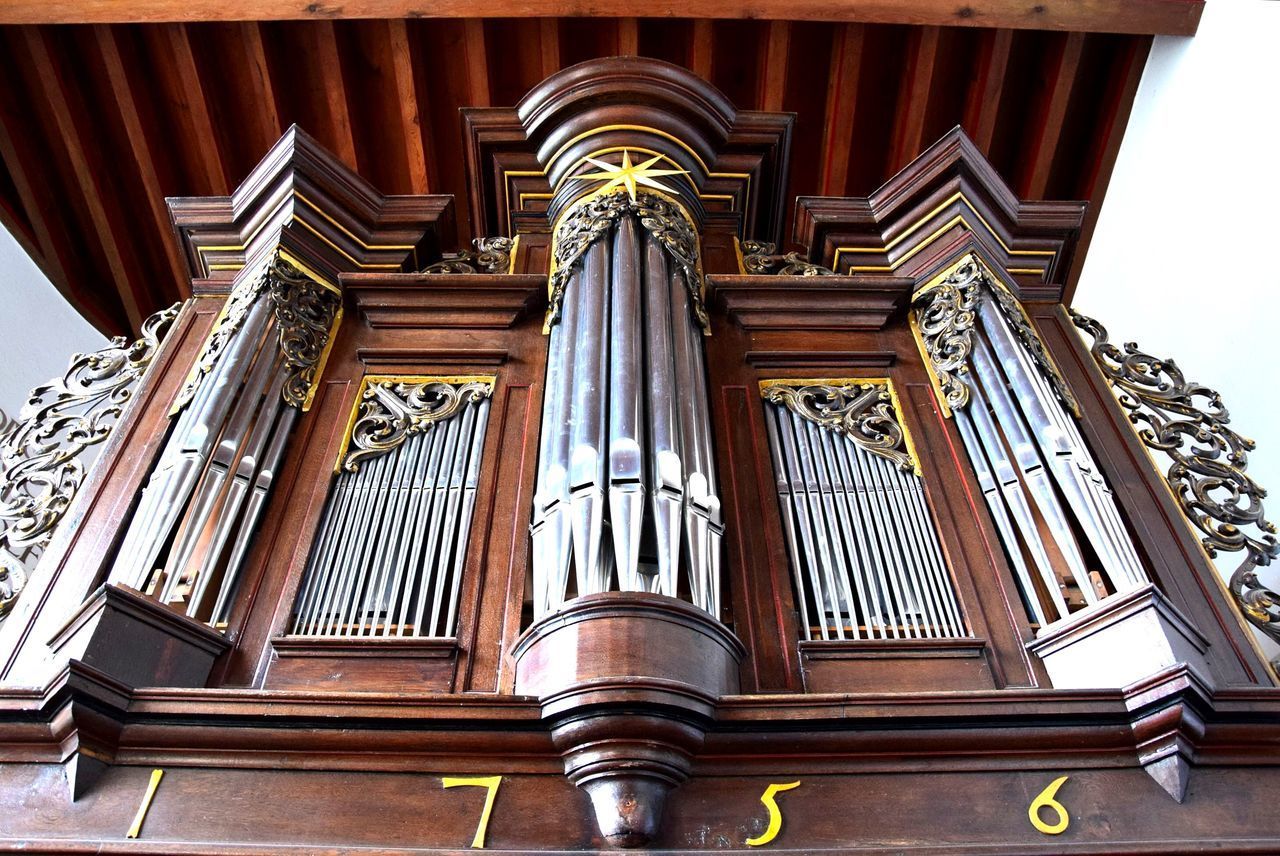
[(628, 683)]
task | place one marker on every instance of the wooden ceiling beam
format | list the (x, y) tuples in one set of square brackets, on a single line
[(842, 97), (773, 69), (142, 154), (109, 229), (1146, 17), (190, 102), (983, 101), (410, 111), (1048, 129)]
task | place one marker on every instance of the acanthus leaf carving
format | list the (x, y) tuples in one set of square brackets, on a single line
[(393, 409), (40, 466), (861, 410), (592, 218), (1189, 423)]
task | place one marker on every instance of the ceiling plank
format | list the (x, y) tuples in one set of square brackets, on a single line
[(842, 95), (773, 74), (192, 104), (1048, 129), (1147, 17), (913, 98), (142, 154), (55, 94), (1112, 134), (258, 75), (983, 101), (415, 143)]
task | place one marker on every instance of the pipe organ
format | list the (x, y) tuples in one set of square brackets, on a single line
[(625, 529)]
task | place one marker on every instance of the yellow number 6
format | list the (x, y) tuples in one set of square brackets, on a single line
[(490, 782), (1045, 800), (775, 814)]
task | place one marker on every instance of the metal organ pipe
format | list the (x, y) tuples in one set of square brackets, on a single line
[(866, 560), (626, 368)]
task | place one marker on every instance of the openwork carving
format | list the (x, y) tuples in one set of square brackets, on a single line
[(490, 255), (393, 409), (762, 257), (40, 466), (584, 224), (234, 311), (945, 324), (945, 316), (305, 315), (862, 410), (1189, 423)]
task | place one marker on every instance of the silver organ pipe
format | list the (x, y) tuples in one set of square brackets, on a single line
[(1038, 477), (866, 559), (389, 553), (626, 412), (189, 535)]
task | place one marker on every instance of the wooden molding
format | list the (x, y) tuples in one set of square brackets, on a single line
[(769, 302), (1157, 17), (424, 301)]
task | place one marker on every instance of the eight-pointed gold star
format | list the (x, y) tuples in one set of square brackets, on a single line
[(629, 175)]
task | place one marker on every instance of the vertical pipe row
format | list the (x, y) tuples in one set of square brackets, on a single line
[(392, 541), (866, 560)]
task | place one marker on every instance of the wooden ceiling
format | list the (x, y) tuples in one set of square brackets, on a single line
[(99, 123)]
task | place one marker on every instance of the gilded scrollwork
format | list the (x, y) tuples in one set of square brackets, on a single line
[(1189, 424), (762, 257), (864, 411), (945, 318), (489, 255), (305, 315), (945, 315), (585, 223), (40, 466), (393, 409), (229, 322)]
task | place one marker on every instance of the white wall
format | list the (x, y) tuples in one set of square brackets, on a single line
[(39, 331), (1184, 260)]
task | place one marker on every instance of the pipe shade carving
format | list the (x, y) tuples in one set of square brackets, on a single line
[(1189, 423), (1047, 497), (388, 557), (42, 454)]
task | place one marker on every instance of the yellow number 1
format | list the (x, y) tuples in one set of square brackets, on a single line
[(490, 782), (1045, 800), (775, 814)]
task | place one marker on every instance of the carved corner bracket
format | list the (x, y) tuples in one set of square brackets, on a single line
[(864, 410), (629, 717)]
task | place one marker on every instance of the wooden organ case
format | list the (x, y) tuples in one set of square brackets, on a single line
[(625, 529)]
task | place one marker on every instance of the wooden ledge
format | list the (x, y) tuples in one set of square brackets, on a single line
[(841, 303)]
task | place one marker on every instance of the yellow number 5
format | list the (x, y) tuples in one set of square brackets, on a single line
[(775, 814), (490, 782), (1046, 800)]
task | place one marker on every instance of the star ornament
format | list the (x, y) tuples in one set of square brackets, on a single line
[(630, 175)]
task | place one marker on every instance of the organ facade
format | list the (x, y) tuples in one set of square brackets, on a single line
[(623, 529)]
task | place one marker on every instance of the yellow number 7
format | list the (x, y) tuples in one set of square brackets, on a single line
[(775, 814), (490, 782)]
